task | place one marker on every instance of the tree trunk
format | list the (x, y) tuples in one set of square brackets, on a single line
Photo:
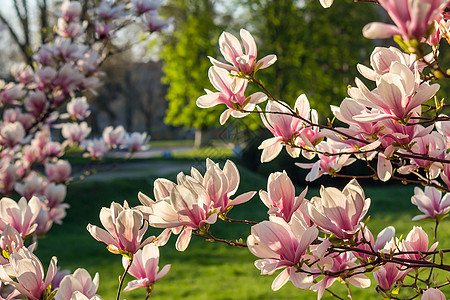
[(201, 137)]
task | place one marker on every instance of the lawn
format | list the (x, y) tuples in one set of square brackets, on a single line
[(205, 270)]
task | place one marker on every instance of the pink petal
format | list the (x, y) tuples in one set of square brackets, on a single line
[(266, 61), (183, 239), (280, 280), (378, 30)]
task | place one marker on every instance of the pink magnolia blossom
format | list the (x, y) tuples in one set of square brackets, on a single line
[(114, 137), (412, 18), (143, 6), (145, 268), (55, 194), (125, 229), (22, 73), (231, 93), (340, 263), (27, 269), (339, 213), (416, 240), (75, 133), (70, 30), (398, 94), (19, 215), (280, 196), (362, 130), (136, 141), (11, 92), (382, 58), (282, 245), (286, 128), (78, 108), (221, 185), (8, 176), (89, 63), (387, 275), (32, 185), (433, 294), (59, 171), (328, 164), (430, 145), (10, 241), (154, 22), (107, 11), (71, 10), (68, 79), (96, 148), (79, 281), (104, 30), (11, 134), (12, 115), (241, 62), (186, 206)]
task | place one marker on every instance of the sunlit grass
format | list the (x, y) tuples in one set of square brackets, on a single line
[(205, 270)]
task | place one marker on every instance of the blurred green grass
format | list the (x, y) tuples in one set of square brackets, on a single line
[(206, 270)]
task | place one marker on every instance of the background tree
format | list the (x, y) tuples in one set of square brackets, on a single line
[(318, 49), (184, 52)]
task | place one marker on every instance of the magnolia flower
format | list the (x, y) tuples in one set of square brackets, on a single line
[(11, 134), (12, 115), (388, 274), (187, 207), (71, 10), (280, 196), (55, 194), (96, 148), (59, 171), (107, 11), (19, 215), (136, 141), (221, 185), (231, 94), (382, 59), (339, 213), (339, 263), (244, 63), (154, 23), (10, 241), (283, 245), (412, 18), (26, 268), (286, 128), (398, 94), (144, 268), (68, 78), (327, 164), (143, 6), (430, 202), (32, 185), (114, 137), (433, 294), (75, 133), (416, 240), (35, 103), (125, 229), (78, 108), (11, 93), (79, 281)]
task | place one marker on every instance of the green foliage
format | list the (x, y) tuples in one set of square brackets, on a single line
[(318, 49), (186, 64)]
